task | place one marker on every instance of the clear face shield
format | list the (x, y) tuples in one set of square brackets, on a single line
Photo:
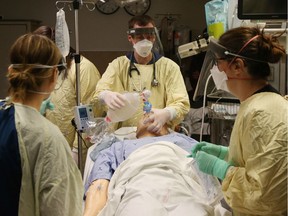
[(215, 52), (150, 34)]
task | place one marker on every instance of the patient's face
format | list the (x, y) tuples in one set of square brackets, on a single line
[(142, 128)]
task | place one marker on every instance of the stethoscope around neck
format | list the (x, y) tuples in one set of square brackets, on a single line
[(132, 67)]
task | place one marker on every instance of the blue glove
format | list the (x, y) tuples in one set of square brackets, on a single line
[(212, 165), (46, 104), (216, 150)]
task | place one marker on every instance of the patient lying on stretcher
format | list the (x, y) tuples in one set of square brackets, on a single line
[(170, 189)]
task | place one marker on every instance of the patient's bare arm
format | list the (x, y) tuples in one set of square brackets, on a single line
[(96, 197)]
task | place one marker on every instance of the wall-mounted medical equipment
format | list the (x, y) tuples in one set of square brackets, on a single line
[(262, 9), (193, 48)]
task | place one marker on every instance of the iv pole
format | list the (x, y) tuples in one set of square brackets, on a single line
[(76, 6)]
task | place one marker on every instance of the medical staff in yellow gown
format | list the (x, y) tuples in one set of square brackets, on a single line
[(253, 169), (64, 100), (171, 91), (140, 70), (65, 97), (258, 147)]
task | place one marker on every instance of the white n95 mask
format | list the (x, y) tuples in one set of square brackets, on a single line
[(219, 78), (143, 47)]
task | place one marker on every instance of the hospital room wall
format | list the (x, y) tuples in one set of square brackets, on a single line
[(104, 33)]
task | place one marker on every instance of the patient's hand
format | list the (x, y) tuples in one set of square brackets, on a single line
[(96, 197)]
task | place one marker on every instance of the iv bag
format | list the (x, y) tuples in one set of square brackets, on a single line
[(62, 39), (216, 13)]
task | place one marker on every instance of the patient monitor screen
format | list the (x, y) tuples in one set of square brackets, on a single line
[(262, 9)]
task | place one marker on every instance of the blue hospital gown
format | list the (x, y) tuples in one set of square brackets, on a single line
[(109, 159)]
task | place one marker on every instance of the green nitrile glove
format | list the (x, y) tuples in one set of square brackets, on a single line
[(46, 104), (196, 148), (216, 150), (212, 165)]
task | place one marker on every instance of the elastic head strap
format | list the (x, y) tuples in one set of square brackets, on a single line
[(248, 42)]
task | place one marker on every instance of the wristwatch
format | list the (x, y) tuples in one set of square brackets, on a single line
[(137, 7), (108, 7)]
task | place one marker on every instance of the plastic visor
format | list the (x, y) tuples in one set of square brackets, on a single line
[(214, 51), (148, 33), (141, 31)]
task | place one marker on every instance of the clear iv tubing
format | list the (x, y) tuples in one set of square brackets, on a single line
[(203, 110)]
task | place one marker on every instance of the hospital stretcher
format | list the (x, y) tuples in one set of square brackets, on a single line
[(157, 179)]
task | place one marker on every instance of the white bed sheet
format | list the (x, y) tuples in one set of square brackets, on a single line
[(157, 180)]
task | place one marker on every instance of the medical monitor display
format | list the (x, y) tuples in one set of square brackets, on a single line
[(262, 9), (83, 113)]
